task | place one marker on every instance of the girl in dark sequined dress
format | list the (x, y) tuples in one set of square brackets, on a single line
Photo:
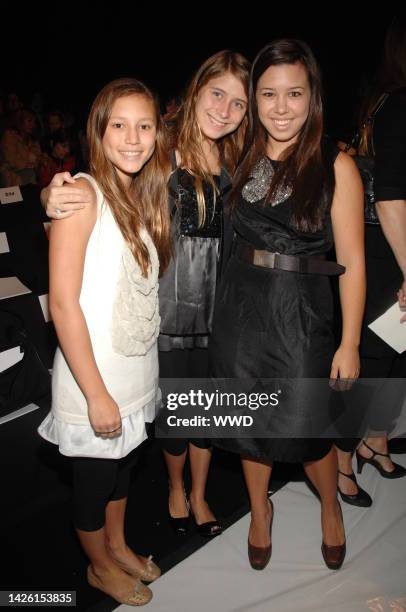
[(207, 135)]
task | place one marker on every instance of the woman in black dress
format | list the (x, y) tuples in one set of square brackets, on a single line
[(385, 244), (294, 195)]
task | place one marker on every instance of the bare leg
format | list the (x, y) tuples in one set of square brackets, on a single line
[(199, 466), (379, 444), (115, 538), (323, 475), (257, 475), (177, 502), (102, 565), (345, 465)]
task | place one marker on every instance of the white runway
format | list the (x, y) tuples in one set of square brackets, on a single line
[(218, 578)]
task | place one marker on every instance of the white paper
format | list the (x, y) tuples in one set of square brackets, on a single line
[(10, 357), (43, 300), (10, 195), (389, 328), (10, 286), (4, 247)]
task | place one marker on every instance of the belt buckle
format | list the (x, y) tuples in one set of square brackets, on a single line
[(271, 259), (265, 259)]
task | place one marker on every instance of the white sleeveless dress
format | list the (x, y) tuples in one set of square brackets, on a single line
[(122, 314)]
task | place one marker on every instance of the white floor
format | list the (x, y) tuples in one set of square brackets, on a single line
[(218, 578)]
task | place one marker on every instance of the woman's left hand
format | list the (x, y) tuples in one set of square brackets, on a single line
[(345, 367)]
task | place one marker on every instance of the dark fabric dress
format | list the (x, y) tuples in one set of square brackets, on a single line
[(187, 290), (384, 277), (273, 323)]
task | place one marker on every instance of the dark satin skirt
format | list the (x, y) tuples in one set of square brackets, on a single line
[(274, 324)]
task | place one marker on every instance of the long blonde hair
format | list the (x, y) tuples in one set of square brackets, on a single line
[(186, 134), (145, 203)]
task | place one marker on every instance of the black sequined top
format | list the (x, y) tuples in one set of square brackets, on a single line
[(188, 288), (189, 211), (270, 227)]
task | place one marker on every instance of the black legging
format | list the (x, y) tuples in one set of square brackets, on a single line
[(95, 483), (183, 363)]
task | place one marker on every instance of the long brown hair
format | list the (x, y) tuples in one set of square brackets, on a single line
[(390, 77), (145, 203), (302, 165), (185, 130)]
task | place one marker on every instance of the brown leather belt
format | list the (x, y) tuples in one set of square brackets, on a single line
[(289, 263)]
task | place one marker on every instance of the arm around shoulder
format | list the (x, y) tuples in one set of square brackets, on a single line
[(65, 195)]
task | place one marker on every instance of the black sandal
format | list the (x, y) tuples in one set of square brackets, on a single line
[(397, 472), (208, 529), (361, 498)]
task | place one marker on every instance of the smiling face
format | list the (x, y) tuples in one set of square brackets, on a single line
[(283, 99), (129, 139), (221, 106)]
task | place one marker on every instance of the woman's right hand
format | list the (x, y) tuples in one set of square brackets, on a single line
[(104, 416), (62, 197)]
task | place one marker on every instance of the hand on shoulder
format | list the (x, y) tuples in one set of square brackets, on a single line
[(66, 195)]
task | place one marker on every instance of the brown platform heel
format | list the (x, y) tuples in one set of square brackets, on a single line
[(259, 556), (334, 555)]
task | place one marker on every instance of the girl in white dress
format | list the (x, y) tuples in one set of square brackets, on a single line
[(104, 264)]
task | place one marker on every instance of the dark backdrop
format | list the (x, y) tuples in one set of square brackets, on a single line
[(70, 50)]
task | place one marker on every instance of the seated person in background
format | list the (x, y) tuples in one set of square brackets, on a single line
[(54, 121), (20, 152), (59, 157)]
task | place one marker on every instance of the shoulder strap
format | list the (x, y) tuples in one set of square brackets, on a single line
[(379, 103), (368, 122)]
